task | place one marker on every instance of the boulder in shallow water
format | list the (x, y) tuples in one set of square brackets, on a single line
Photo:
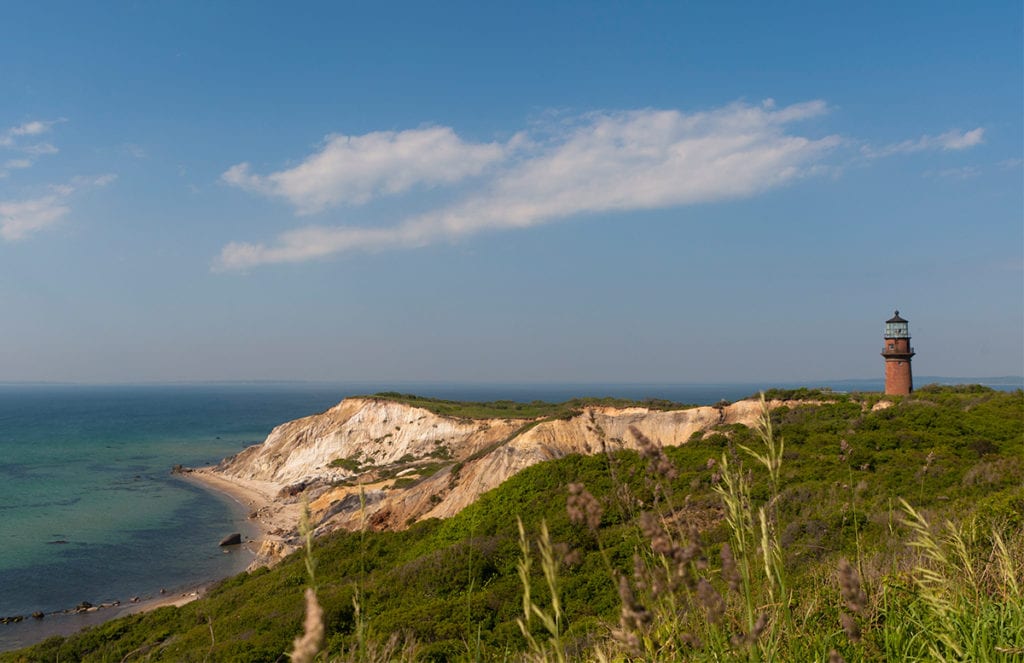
[(231, 539)]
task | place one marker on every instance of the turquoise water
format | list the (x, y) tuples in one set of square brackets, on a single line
[(88, 508)]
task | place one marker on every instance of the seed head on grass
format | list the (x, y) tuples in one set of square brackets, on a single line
[(583, 508), (714, 604), (634, 619), (650, 526), (928, 462), (730, 573), (750, 638), (308, 645), (639, 572), (850, 626), (850, 587), (659, 463)]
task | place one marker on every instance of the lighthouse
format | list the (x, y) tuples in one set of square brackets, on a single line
[(897, 353)]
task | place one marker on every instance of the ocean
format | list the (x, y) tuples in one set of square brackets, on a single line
[(89, 510)]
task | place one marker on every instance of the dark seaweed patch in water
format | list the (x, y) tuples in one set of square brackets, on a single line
[(136, 483), (33, 505), (122, 473), (23, 471), (14, 470)]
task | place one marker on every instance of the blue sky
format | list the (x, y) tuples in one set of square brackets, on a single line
[(583, 192)]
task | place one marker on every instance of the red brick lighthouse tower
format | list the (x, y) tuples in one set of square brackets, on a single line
[(897, 353)]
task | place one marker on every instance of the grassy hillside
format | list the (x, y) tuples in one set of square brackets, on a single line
[(739, 545)]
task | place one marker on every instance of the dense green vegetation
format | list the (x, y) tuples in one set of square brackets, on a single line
[(650, 577)]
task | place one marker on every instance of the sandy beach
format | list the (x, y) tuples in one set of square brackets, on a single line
[(276, 521)]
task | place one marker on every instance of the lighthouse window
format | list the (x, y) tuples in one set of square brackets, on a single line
[(891, 346)]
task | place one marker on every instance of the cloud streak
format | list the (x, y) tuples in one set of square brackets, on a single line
[(352, 170), (21, 218), (33, 128), (950, 141), (602, 162)]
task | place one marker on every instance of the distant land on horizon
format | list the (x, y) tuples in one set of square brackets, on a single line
[(322, 393)]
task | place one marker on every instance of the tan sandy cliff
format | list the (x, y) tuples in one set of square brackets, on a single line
[(384, 465)]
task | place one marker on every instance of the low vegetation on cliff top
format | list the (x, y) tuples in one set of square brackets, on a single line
[(516, 410), (835, 531)]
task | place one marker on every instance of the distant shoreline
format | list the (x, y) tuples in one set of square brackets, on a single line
[(585, 387)]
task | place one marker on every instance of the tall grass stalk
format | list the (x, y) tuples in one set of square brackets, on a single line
[(357, 605), (758, 538), (308, 645), (473, 643), (550, 619), (956, 614), (735, 494)]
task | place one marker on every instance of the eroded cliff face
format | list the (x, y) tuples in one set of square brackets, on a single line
[(362, 431), (409, 463)]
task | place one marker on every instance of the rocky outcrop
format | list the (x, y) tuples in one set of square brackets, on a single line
[(233, 539), (381, 464)]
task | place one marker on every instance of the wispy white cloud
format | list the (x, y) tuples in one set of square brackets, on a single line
[(33, 128), (635, 160), (351, 170), (40, 149), (10, 136), (12, 139), (14, 164), (21, 218), (951, 140)]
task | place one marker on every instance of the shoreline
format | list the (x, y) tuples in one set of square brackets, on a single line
[(252, 504), (275, 520), (31, 630)]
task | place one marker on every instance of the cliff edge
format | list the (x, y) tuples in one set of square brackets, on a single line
[(377, 463)]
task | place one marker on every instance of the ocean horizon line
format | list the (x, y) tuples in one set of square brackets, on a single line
[(809, 382)]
